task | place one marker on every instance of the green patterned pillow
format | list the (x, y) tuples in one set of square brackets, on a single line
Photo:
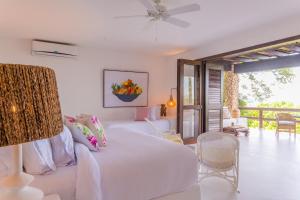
[(93, 123), (82, 134)]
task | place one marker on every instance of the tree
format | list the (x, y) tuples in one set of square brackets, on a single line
[(259, 89), (284, 76)]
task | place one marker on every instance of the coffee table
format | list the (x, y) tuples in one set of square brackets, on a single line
[(236, 130)]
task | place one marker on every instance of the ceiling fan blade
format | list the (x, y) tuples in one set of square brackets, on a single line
[(147, 4), (184, 9), (129, 16), (176, 22)]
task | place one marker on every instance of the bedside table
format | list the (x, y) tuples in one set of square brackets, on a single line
[(52, 197)]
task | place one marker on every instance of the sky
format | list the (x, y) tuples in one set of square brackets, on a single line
[(289, 92)]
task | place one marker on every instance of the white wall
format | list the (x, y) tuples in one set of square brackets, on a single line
[(80, 80)]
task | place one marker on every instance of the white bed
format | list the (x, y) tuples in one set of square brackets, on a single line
[(61, 182), (134, 166), (139, 126)]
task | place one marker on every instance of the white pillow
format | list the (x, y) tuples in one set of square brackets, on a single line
[(63, 148), (154, 113), (37, 157)]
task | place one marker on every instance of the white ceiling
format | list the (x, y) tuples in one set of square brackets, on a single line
[(92, 23)]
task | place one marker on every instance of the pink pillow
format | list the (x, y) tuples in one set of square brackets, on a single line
[(69, 119), (141, 113)]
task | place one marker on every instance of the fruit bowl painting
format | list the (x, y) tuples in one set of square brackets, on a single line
[(127, 91), (125, 88)]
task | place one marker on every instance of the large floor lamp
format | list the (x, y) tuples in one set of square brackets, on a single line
[(29, 110)]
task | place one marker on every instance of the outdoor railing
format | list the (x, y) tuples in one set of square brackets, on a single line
[(294, 111)]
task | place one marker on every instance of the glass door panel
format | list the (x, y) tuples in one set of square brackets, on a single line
[(190, 123), (189, 85), (189, 99)]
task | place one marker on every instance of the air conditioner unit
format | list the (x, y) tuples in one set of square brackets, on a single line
[(57, 49)]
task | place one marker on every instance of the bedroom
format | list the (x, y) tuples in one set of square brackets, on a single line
[(104, 41)]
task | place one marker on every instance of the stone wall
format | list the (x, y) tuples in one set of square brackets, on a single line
[(231, 90)]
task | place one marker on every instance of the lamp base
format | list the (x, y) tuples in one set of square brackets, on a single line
[(25, 193), (16, 186), (16, 181)]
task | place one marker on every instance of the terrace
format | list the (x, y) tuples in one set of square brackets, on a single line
[(263, 120), (269, 169), (255, 68)]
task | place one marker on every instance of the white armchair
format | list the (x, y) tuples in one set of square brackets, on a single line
[(218, 154)]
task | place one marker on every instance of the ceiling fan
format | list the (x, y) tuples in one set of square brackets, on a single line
[(156, 11)]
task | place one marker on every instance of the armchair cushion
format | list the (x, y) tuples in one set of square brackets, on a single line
[(286, 122), (226, 113)]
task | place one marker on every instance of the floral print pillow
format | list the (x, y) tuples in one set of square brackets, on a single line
[(82, 134), (93, 123)]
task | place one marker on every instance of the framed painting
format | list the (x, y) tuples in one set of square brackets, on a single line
[(125, 88)]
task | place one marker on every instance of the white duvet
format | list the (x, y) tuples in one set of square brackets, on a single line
[(80, 182), (133, 166)]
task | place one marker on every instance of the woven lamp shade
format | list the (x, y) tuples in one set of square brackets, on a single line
[(29, 104)]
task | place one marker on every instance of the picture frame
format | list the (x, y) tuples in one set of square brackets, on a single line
[(122, 88)]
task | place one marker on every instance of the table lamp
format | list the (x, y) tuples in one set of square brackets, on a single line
[(236, 113), (29, 110)]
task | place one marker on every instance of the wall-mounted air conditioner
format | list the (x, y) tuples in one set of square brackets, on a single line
[(57, 49)]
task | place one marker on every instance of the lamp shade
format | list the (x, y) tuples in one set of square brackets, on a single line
[(29, 104), (171, 103), (236, 113)]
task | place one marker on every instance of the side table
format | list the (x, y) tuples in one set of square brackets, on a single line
[(236, 130)]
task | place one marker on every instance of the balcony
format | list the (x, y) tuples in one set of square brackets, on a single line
[(269, 169), (266, 116)]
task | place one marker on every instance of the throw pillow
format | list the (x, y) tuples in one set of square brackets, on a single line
[(141, 113), (94, 124), (37, 157), (82, 134), (63, 148), (154, 113), (226, 113), (69, 119)]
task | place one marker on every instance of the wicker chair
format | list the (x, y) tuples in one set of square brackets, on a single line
[(285, 122), (218, 155)]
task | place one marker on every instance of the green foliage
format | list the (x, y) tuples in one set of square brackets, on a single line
[(256, 88), (284, 75), (242, 103), (259, 89), (269, 125)]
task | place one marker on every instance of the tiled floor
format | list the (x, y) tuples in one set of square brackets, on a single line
[(269, 170)]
